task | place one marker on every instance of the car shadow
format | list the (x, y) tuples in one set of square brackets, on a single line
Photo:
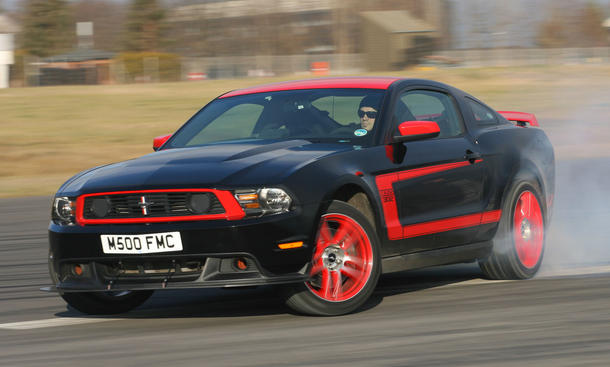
[(268, 300)]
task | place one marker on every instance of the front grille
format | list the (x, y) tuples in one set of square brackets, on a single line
[(163, 204)]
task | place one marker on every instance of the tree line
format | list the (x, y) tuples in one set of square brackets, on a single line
[(48, 27)]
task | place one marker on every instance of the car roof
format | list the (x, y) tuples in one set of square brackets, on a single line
[(322, 83)]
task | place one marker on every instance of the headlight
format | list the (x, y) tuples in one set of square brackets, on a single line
[(64, 210), (264, 201)]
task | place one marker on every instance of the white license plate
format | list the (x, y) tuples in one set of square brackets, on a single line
[(141, 243)]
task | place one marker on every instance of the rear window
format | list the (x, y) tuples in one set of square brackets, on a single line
[(483, 115)]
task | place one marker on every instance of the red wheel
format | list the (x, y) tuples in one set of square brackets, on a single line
[(528, 229), (343, 259), (518, 245), (345, 264)]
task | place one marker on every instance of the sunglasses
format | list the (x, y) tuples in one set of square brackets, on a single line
[(369, 114)]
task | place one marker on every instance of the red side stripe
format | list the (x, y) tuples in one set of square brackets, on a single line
[(442, 225), (424, 171), (388, 200), (390, 211), (491, 216)]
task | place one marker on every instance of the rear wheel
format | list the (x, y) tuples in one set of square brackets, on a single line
[(106, 303), (518, 246), (345, 264)]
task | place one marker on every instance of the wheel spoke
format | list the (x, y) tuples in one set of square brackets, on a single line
[(316, 268), (317, 256), (348, 243), (340, 234), (325, 286), (325, 236), (354, 260), (337, 284), (352, 273), (527, 204)]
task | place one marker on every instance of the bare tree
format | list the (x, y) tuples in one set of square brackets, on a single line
[(572, 25), (144, 26), (590, 24)]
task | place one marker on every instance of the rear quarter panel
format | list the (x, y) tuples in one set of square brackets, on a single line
[(513, 153)]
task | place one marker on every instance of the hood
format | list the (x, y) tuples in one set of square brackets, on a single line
[(212, 166)]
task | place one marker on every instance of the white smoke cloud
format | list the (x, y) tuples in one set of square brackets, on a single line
[(579, 235)]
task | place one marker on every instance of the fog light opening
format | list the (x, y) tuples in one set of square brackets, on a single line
[(241, 263), (77, 270)]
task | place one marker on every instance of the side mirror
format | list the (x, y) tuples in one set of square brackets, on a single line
[(416, 130), (159, 141)]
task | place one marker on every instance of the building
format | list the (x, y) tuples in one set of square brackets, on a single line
[(238, 37), (79, 66), (253, 27), (7, 29), (393, 39)]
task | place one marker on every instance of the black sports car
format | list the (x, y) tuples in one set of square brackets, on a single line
[(318, 186)]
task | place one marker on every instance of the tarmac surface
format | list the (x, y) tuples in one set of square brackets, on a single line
[(433, 317)]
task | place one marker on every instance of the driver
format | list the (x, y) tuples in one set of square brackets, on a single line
[(367, 111)]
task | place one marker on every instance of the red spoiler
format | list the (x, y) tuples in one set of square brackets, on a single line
[(520, 118)]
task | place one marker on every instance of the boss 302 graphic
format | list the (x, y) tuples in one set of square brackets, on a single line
[(318, 186)]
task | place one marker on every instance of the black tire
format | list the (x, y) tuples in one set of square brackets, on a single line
[(508, 259), (350, 264), (106, 303)]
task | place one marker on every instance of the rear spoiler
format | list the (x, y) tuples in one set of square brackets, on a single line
[(520, 118)]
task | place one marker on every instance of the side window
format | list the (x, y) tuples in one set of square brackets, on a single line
[(237, 122), (431, 106), (342, 109), (482, 115)]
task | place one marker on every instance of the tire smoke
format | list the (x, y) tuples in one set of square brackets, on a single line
[(579, 233)]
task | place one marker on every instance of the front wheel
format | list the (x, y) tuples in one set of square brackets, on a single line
[(518, 246), (345, 264), (106, 303)]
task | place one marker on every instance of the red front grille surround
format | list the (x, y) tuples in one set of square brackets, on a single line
[(233, 210)]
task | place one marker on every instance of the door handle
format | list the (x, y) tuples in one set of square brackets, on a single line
[(471, 156)]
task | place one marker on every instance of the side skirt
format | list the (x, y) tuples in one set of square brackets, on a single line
[(450, 255)]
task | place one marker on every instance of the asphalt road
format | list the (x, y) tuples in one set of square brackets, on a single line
[(446, 316)]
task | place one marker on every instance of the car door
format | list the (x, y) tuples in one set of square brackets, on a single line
[(434, 197)]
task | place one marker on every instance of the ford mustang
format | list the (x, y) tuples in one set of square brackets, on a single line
[(316, 186)]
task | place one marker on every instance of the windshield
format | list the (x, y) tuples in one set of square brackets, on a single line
[(318, 115)]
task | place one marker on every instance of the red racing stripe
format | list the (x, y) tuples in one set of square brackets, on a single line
[(397, 231), (442, 225)]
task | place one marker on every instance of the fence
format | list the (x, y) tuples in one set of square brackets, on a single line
[(32, 73), (530, 56), (245, 66)]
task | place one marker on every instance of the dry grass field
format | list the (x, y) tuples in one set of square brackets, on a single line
[(50, 133)]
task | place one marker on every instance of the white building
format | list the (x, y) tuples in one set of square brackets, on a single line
[(7, 29)]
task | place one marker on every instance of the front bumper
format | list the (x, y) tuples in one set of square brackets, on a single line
[(211, 250)]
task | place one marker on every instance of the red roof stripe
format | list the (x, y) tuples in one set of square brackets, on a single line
[(362, 82)]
